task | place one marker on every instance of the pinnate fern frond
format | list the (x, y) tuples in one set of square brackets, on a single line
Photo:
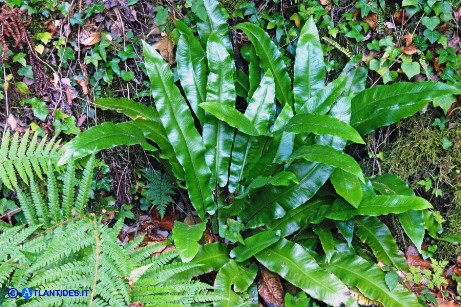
[(25, 157)]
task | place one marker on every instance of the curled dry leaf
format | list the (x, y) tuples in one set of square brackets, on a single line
[(165, 47), (372, 20), (12, 122), (414, 259), (326, 4), (270, 288), (409, 50), (408, 39), (89, 36)]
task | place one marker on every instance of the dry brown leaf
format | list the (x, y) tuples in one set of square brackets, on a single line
[(444, 303), (12, 122), (326, 4), (457, 14), (409, 50), (136, 304), (270, 288), (371, 20), (88, 38), (408, 39), (400, 16), (83, 84), (71, 92), (165, 47), (414, 259)]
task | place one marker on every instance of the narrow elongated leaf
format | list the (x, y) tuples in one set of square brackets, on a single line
[(347, 186), (254, 245), (386, 204), (369, 279), (282, 178), (322, 124), (297, 266), (130, 108), (215, 21), (326, 240), (179, 124), (329, 156), (186, 237), (299, 217), (233, 274), (411, 221), (375, 234), (273, 202), (258, 112), (218, 135), (270, 58), (324, 98), (309, 69), (148, 120), (242, 85), (386, 104), (231, 116), (104, 136), (254, 72), (356, 76), (346, 228), (155, 132), (192, 68)]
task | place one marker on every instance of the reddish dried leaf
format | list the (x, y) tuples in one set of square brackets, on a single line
[(372, 20), (90, 38), (414, 259), (410, 50), (136, 304), (444, 303), (270, 288), (408, 39), (165, 48)]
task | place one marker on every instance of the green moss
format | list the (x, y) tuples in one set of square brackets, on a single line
[(417, 153), (231, 5)]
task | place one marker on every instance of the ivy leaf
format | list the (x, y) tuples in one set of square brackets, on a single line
[(161, 15), (185, 238), (127, 75), (77, 19), (444, 102), (38, 107), (411, 69), (446, 143), (44, 37), (22, 87), (20, 58), (26, 71), (127, 53), (432, 36), (430, 22), (93, 59)]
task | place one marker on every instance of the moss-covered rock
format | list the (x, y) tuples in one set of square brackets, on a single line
[(421, 151)]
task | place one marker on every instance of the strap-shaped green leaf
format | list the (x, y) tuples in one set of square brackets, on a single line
[(148, 121), (299, 217), (179, 125), (259, 112), (214, 21), (296, 265), (104, 136), (356, 272), (324, 98), (270, 58), (254, 245), (185, 239), (192, 68), (329, 156), (377, 236), (231, 116), (322, 124), (326, 239), (347, 186), (386, 104), (254, 72), (130, 108), (218, 135), (386, 204), (411, 221), (309, 68)]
